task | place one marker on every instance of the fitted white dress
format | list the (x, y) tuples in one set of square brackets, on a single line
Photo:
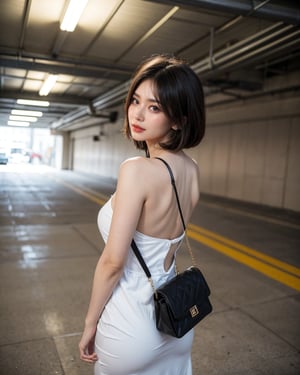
[(127, 341)]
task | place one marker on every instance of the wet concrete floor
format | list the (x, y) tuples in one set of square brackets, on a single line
[(49, 246)]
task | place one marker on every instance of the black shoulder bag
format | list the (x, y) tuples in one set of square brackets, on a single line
[(183, 301)]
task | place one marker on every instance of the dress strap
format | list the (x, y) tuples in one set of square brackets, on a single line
[(175, 189), (134, 246)]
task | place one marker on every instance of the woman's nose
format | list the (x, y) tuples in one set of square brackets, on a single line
[(139, 113)]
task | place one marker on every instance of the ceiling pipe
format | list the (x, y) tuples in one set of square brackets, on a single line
[(245, 44), (280, 44), (89, 111), (252, 47), (94, 112), (255, 39), (111, 97), (244, 51)]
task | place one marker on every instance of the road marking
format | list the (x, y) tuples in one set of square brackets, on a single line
[(254, 253), (85, 193), (269, 266), (250, 261)]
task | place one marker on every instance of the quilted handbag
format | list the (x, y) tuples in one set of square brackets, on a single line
[(183, 301)]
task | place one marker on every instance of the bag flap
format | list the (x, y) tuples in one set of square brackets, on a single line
[(184, 291)]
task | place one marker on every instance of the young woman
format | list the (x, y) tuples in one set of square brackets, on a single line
[(164, 114)]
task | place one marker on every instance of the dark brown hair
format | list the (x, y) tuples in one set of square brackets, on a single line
[(180, 93)]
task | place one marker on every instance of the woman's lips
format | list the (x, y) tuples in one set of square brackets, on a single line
[(137, 129)]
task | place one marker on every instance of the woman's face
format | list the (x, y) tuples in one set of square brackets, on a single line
[(146, 119)]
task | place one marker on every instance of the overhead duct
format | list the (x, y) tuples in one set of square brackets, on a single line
[(88, 112), (111, 116), (113, 97), (264, 43)]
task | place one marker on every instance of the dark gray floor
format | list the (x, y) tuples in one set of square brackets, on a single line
[(49, 245)]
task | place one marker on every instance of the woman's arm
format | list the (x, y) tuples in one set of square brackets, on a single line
[(128, 203), (106, 277)]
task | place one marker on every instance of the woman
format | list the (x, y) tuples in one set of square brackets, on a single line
[(164, 114)]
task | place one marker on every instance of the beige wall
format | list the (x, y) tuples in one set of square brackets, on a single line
[(101, 157), (253, 161)]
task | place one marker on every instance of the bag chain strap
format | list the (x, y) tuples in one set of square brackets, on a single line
[(136, 250)]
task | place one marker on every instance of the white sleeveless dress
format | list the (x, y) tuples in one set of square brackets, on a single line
[(127, 341)]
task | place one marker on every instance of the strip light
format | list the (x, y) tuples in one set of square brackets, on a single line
[(48, 85), (23, 118), (73, 14), (38, 103), (18, 123), (26, 113)]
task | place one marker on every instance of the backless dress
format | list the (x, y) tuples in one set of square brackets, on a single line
[(127, 341)]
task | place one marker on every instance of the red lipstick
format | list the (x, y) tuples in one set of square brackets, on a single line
[(137, 129)]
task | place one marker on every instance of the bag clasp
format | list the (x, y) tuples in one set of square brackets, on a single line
[(194, 311)]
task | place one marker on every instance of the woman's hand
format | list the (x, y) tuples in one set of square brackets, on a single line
[(86, 345)]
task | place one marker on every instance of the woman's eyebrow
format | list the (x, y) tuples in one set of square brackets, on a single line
[(153, 100)]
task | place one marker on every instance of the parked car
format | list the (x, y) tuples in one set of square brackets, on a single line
[(3, 157), (22, 155), (17, 155)]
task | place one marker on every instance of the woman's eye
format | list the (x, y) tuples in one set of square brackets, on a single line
[(134, 101), (155, 108)]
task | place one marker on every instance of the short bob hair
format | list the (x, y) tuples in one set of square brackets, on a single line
[(180, 93)]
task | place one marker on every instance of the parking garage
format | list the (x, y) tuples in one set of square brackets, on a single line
[(245, 231)]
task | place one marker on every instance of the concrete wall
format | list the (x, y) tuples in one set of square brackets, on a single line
[(254, 161), (101, 157), (251, 151)]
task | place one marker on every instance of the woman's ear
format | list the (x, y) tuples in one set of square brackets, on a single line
[(175, 126)]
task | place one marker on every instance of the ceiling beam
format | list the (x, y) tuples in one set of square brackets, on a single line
[(61, 99), (288, 12), (56, 67), (25, 17)]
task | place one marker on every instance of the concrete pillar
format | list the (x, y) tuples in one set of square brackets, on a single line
[(65, 163)]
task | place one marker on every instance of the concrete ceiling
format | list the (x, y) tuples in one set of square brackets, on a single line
[(232, 44)]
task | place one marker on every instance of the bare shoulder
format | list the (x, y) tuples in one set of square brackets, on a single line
[(197, 169), (192, 164), (136, 171), (194, 174), (134, 166)]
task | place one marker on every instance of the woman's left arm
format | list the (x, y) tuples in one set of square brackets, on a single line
[(128, 202)]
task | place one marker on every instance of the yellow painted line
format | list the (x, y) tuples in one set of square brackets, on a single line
[(232, 249), (266, 258), (266, 269), (84, 193)]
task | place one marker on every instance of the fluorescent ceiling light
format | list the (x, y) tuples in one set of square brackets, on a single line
[(23, 118), (18, 123), (48, 85), (72, 15), (39, 103), (26, 113)]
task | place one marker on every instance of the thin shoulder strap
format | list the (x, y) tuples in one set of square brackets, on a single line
[(180, 211), (133, 244), (175, 190)]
